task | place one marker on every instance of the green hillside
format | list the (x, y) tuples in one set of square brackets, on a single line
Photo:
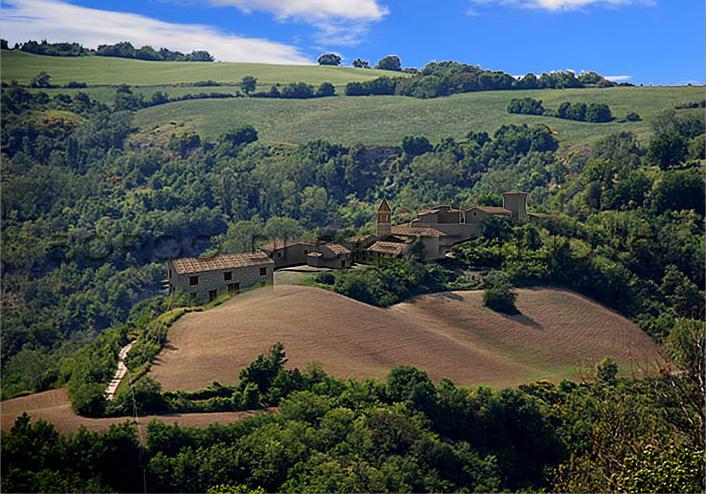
[(20, 66), (386, 119)]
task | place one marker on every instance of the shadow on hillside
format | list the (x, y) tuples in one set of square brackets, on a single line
[(522, 319)]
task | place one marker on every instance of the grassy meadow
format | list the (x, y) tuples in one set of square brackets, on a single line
[(386, 119), (92, 70), (366, 119)]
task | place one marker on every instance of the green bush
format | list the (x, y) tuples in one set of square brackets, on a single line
[(498, 294)]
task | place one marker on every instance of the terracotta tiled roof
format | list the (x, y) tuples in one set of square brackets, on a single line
[(407, 230), (357, 238), (394, 248), (186, 265), (314, 254), (337, 248), (493, 210), (279, 244), (437, 209)]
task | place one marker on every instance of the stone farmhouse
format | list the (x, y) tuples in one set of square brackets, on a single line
[(430, 235), (206, 278)]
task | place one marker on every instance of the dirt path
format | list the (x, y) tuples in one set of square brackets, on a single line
[(119, 373)]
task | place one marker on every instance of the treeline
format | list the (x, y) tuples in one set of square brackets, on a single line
[(404, 434), (582, 112), (446, 78), (122, 49), (297, 90)]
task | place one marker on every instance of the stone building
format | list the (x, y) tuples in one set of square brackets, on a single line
[(206, 278), (434, 231)]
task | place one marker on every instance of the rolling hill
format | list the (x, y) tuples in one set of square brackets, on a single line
[(21, 66), (446, 334), (387, 119)]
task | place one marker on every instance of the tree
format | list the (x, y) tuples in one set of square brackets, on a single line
[(326, 89), (416, 146), (390, 62), (498, 294), (329, 59), (238, 136), (359, 63), (42, 80), (607, 371), (248, 84)]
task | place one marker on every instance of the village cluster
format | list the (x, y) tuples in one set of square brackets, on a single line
[(431, 233)]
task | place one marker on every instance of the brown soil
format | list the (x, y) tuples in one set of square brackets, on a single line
[(447, 334)]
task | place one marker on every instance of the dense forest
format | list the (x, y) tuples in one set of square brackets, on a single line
[(90, 213)]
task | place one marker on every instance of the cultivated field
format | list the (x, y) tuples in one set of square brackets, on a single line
[(20, 66), (448, 335), (53, 406), (387, 119)]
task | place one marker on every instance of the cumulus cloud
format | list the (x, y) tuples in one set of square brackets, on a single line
[(337, 22), (618, 78), (561, 5), (56, 21)]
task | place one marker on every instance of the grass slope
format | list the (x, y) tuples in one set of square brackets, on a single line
[(387, 119), (20, 66), (448, 335)]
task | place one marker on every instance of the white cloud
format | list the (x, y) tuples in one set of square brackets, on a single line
[(365, 10), (561, 5), (618, 78), (56, 21), (338, 22)]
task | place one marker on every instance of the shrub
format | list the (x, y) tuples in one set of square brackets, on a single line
[(74, 84), (498, 294), (297, 90), (326, 89), (633, 117), (526, 106)]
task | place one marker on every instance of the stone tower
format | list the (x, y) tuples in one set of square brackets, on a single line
[(516, 202), (384, 220)]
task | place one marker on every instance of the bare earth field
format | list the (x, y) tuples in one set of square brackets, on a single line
[(53, 406), (447, 334)]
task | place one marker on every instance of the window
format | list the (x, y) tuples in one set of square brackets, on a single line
[(279, 254), (227, 276), (193, 280), (170, 272), (212, 295), (263, 271)]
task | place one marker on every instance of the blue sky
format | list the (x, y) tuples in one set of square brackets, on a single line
[(643, 41)]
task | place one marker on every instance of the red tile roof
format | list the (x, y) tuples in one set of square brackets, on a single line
[(337, 248), (187, 265), (413, 231), (492, 210), (280, 244), (395, 248)]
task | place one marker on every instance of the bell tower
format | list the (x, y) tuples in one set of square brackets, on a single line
[(384, 220)]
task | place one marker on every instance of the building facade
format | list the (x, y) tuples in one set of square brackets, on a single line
[(206, 278)]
